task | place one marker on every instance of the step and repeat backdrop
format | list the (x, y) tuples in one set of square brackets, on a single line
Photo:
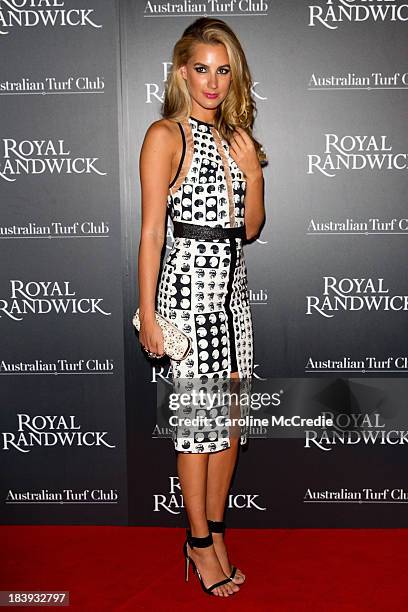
[(63, 435), (81, 437)]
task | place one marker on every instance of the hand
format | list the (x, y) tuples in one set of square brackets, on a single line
[(151, 338), (244, 154)]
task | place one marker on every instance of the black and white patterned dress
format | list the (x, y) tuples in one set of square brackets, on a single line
[(203, 286)]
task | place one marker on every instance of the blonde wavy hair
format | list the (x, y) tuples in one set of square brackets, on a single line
[(239, 107)]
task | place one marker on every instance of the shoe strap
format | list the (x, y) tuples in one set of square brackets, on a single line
[(217, 584), (199, 542), (216, 526)]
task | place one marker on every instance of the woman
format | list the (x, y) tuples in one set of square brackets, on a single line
[(202, 159)]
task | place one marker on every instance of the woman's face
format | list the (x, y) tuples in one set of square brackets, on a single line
[(208, 76)]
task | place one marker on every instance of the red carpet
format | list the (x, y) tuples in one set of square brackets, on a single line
[(133, 568)]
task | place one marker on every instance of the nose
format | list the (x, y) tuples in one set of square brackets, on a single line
[(212, 81)]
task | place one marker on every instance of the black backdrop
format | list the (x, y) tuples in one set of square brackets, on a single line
[(80, 85)]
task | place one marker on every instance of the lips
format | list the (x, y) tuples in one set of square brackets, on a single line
[(211, 96)]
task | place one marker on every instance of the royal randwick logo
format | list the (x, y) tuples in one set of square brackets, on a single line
[(163, 374), (355, 429), (333, 13), (42, 157), (50, 430), (347, 153), (45, 297), (354, 294), (172, 501), (45, 13)]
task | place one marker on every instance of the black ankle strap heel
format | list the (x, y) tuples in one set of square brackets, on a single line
[(216, 526), (219, 527), (199, 542), (204, 542)]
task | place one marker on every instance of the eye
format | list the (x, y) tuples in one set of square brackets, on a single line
[(203, 69)]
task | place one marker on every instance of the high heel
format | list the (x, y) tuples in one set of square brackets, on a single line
[(219, 527), (194, 542)]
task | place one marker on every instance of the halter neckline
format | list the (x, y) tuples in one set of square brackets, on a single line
[(201, 121)]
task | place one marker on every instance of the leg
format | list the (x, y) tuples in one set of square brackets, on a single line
[(192, 471), (220, 470)]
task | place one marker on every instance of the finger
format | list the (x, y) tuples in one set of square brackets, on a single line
[(235, 157), (244, 134), (235, 147), (239, 148), (160, 346), (158, 349), (241, 136)]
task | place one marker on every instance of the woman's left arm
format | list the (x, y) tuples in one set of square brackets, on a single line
[(243, 152)]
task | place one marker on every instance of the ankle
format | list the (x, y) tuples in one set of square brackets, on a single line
[(201, 553), (218, 538), (196, 542)]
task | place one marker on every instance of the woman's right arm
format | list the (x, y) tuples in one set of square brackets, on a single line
[(155, 176)]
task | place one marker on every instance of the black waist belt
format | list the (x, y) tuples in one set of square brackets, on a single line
[(205, 232)]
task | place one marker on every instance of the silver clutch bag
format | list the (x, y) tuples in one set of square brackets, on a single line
[(176, 343)]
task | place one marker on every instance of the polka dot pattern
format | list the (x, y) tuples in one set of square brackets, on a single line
[(203, 285)]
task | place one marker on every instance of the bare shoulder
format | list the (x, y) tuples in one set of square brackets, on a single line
[(162, 133)]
